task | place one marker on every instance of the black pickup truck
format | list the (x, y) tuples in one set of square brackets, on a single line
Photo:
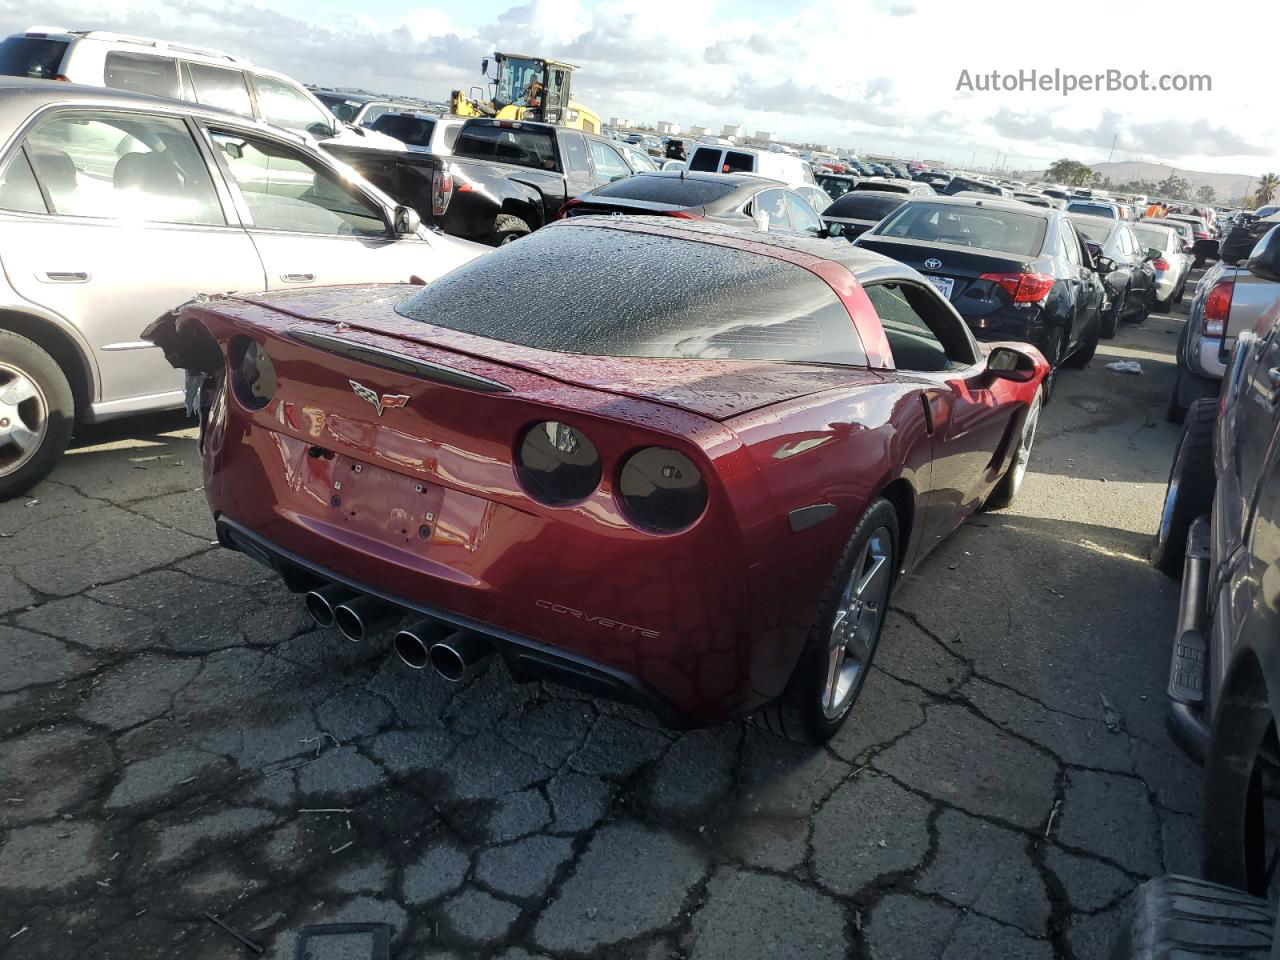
[(503, 180)]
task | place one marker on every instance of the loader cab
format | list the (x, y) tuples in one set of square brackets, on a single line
[(533, 88)]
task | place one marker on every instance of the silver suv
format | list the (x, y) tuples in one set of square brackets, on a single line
[(99, 58), (117, 207)]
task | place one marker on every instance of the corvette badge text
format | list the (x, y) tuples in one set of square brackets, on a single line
[(1066, 83), (599, 621)]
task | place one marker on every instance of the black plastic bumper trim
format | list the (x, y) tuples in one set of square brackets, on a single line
[(527, 659)]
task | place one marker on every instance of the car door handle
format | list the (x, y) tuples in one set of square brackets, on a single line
[(297, 277), (64, 276)]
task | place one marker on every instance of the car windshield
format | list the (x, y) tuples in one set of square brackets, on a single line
[(604, 292), (678, 191), (1021, 234), (34, 57), (1092, 230), (409, 128), (1092, 209), (342, 108), (865, 205), (522, 145)]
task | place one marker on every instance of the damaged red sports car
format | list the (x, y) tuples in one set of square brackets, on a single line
[(659, 461)]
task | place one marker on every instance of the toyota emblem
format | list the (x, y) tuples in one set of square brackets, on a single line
[(933, 263)]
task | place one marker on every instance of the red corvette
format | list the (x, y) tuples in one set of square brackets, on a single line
[(659, 461)]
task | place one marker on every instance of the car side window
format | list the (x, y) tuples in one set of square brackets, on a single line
[(123, 166), (157, 76), (803, 219), (1070, 243), (219, 87), (609, 163), (773, 203), (573, 152), (922, 324), (284, 105), (286, 190), (914, 345), (18, 188)]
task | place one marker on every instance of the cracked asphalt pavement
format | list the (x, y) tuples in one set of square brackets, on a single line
[(177, 738)]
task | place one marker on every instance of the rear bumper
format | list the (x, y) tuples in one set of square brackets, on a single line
[(527, 659)]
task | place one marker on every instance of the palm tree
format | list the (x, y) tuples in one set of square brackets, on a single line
[(1267, 188)]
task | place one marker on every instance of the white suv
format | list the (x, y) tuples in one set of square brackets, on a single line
[(97, 58)]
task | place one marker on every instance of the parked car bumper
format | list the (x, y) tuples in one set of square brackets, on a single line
[(647, 630)]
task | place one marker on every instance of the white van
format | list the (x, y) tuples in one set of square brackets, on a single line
[(792, 171), (97, 58)]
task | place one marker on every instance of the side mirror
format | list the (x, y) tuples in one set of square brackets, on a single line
[(1095, 249), (1153, 254), (1104, 264), (406, 221), (1264, 260), (321, 131), (484, 66), (1010, 364)]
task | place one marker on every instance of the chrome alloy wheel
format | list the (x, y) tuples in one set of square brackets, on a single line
[(1023, 455), (856, 627), (24, 418)]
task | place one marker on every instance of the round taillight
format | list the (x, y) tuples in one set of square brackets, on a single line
[(557, 464), (661, 490), (253, 375)]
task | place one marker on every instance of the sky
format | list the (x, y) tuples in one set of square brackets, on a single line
[(879, 76)]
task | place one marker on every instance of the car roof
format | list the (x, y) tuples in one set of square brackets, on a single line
[(20, 97), (988, 201), (864, 264), (737, 179)]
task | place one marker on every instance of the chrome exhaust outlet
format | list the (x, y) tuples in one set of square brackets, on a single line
[(322, 603), (413, 644), (362, 617), (461, 655)]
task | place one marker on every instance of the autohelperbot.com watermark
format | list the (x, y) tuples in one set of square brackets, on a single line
[(1066, 82)]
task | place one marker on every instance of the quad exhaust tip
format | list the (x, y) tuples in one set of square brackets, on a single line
[(362, 617), (455, 654), (322, 604)]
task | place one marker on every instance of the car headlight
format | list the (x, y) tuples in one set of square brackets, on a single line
[(661, 490), (253, 375), (557, 464)]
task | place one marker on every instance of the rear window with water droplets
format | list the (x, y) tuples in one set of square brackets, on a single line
[(604, 292)]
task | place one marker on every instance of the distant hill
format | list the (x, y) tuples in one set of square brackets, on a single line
[(1225, 185)]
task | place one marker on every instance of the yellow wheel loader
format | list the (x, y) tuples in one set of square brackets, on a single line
[(527, 88)]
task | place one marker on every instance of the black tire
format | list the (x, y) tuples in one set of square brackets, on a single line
[(1111, 319), (1182, 289), (1088, 347), (1006, 491), (508, 229), (1176, 916), (1189, 493), (1144, 309), (54, 406), (798, 714)]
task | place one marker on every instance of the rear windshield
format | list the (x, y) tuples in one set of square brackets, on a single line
[(31, 57), (958, 184), (523, 146), (836, 187), (882, 186), (603, 292), (705, 160), (1097, 232), (865, 205), (406, 127), (1092, 209), (673, 190), (983, 227), (1153, 237)]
